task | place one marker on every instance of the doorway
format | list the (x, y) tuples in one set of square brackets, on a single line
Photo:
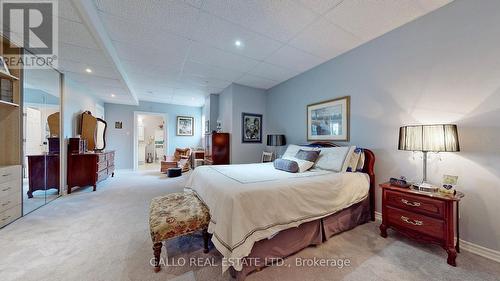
[(150, 140)]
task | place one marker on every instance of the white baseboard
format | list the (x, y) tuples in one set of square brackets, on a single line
[(480, 250), (467, 246)]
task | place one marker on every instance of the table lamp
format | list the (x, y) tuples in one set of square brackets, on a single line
[(276, 140), (429, 138)]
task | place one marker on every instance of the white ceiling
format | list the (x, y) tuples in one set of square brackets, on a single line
[(179, 51)]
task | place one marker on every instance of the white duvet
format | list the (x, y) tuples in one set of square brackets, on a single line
[(252, 202)]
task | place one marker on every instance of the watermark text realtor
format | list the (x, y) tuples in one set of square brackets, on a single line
[(33, 26)]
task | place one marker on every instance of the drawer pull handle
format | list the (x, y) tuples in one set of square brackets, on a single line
[(5, 189), (414, 222), (5, 204), (6, 218), (413, 204), (5, 175)]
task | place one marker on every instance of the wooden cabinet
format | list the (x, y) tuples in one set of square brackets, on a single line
[(43, 172), (424, 217), (10, 194), (217, 149), (87, 169), (11, 100)]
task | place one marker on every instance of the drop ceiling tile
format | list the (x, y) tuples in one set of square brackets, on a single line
[(320, 6), (76, 34), (203, 53), (370, 19), (431, 5), (207, 71), (173, 55), (174, 16), (222, 34), (325, 40), (273, 72), (79, 67), (294, 59), (67, 10), (85, 55), (256, 82), (276, 19)]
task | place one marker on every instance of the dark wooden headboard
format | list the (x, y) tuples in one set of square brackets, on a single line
[(368, 168)]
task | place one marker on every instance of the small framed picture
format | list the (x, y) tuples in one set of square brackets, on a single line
[(251, 128), (185, 126), (207, 126), (118, 125), (449, 184), (3, 66)]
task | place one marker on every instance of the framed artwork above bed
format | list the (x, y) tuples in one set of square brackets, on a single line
[(329, 120)]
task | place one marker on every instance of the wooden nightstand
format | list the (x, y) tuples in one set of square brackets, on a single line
[(422, 216)]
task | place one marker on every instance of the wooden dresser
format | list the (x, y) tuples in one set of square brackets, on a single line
[(10, 194), (422, 216), (217, 149), (87, 169)]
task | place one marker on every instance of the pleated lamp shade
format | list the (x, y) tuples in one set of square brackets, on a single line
[(430, 138)]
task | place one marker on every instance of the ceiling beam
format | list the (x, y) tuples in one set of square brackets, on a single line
[(89, 14)]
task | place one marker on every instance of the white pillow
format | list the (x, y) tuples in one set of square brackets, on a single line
[(292, 150), (333, 158), (303, 164)]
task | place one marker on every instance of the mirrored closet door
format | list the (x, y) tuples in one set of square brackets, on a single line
[(41, 137)]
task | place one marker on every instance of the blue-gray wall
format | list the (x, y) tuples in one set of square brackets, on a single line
[(443, 67), (122, 140), (233, 101)]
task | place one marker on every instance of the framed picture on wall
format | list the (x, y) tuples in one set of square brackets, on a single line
[(185, 126), (329, 120), (251, 128)]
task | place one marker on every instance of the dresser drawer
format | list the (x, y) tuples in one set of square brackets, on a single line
[(10, 173), (102, 175), (101, 157), (10, 201), (7, 188), (102, 166), (110, 156), (426, 206), (416, 222), (10, 215)]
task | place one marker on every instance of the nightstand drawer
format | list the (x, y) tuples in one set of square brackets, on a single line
[(426, 206), (408, 220)]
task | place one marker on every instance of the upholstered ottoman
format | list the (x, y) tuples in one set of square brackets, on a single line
[(174, 215), (174, 172)]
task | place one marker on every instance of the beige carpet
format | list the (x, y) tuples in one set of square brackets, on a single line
[(104, 235)]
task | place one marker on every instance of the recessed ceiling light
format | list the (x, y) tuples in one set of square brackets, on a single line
[(238, 43), (88, 70), (192, 98), (113, 95)]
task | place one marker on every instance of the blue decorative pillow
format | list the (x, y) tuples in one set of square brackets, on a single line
[(308, 155), (286, 165)]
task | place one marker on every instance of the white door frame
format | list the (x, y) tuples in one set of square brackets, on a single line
[(136, 141)]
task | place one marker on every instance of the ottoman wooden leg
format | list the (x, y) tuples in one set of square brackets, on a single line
[(157, 254), (206, 237)]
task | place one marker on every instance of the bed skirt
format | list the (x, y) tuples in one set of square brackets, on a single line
[(291, 241)]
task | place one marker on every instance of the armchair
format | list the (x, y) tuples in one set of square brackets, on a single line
[(181, 159)]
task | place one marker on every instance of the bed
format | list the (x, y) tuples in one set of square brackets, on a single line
[(259, 213)]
